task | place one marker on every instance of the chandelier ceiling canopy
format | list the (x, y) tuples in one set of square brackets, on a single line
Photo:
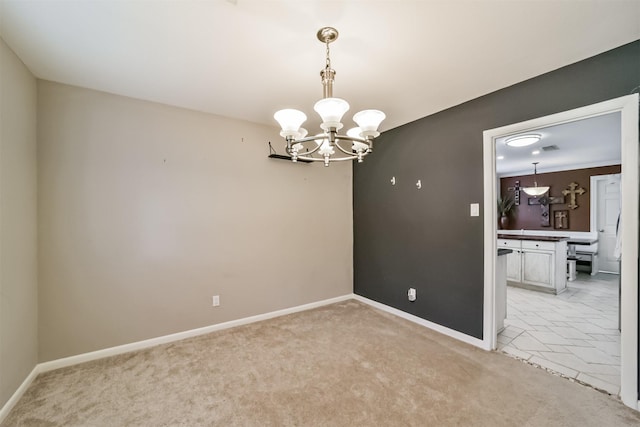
[(329, 145)]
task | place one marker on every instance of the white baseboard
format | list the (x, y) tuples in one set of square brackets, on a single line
[(18, 394), (112, 351), (422, 322), (139, 345)]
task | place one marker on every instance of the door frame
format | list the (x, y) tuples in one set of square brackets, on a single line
[(594, 204), (628, 108)]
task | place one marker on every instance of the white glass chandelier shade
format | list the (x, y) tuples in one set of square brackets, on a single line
[(535, 191), (523, 140), (355, 132), (331, 111), (290, 121), (356, 145), (368, 121)]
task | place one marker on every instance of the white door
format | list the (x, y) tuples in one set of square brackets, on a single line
[(607, 211)]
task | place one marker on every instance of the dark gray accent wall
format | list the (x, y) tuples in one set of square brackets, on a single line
[(405, 237)]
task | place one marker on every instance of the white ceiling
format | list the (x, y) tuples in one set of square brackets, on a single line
[(248, 58), (591, 142)]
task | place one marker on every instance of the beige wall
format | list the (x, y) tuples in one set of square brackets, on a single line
[(146, 211), (18, 241)]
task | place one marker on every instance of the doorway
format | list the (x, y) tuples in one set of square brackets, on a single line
[(573, 331), (628, 107), (606, 215)]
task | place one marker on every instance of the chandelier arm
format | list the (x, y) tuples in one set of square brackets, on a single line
[(347, 152), (351, 138), (354, 139), (321, 159), (306, 153), (301, 141)]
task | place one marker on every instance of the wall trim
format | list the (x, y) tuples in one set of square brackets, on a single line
[(422, 322), (139, 345), (4, 411)]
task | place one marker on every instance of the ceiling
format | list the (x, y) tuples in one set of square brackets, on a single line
[(246, 59), (591, 142)]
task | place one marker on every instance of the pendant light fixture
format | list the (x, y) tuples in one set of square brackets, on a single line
[(329, 145), (535, 190)]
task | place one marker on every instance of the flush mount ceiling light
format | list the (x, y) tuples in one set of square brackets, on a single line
[(522, 140), (329, 145), (535, 190)]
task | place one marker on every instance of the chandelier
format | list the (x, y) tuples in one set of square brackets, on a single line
[(535, 190), (329, 145)]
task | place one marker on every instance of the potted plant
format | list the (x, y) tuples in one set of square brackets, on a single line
[(505, 207)]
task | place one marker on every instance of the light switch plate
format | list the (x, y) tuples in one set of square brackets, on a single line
[(475, 209)]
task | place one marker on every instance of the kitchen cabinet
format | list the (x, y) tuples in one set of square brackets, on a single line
[(514, 261), (535, 264)]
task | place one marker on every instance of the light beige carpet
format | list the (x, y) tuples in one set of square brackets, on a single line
[(345, 364)]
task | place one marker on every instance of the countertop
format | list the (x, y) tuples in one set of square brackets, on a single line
[(536, 238), (582, 241)]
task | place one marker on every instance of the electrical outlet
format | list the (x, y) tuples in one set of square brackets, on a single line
[(411, 294), (216, 300)]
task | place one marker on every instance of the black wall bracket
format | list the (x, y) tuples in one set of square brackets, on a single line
[(274, 155)]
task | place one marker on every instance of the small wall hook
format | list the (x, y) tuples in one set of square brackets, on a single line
[(393, 180), (419, 184)]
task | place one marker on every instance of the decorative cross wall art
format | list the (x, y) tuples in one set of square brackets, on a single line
[(572, 192), (516, 193), (561, 219), (544, 203)]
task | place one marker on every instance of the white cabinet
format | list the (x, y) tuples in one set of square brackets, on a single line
[(539, 265), (514, 262), (514, 266)]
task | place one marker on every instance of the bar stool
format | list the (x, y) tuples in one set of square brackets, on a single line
[(571, 269)]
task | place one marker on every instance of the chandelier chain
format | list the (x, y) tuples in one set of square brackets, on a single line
[(328, 60)]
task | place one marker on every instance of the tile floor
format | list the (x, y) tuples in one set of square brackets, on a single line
[(574, 333)]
